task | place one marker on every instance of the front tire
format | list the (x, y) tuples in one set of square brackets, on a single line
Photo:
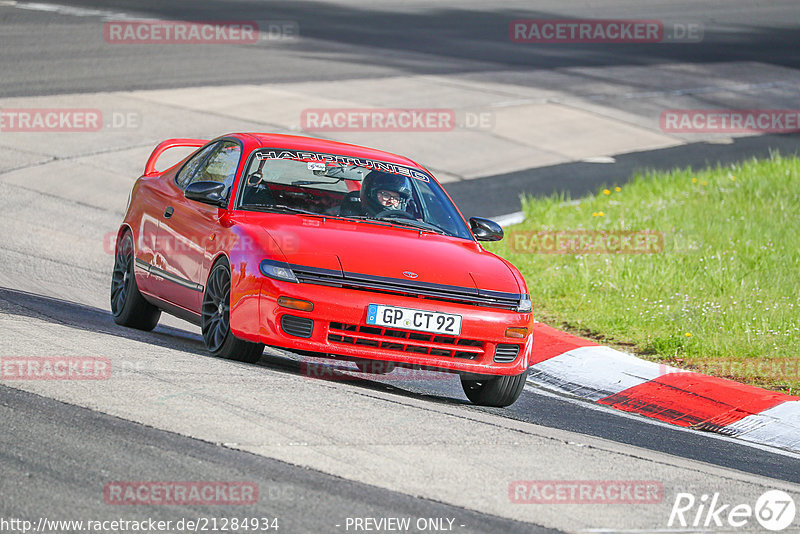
[(216, 319), (128, 306), (496, 391)]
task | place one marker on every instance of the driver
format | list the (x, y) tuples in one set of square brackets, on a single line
[(381, 191)]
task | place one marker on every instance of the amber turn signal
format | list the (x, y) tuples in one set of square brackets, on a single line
[(295, 304), (517, 332)]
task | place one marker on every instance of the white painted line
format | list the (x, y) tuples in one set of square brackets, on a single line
[(599, 159), (512, 218), (111, 16), (518, 102), (73, 11), (518, 216)]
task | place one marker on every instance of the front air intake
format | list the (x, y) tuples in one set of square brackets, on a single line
[(297, 326), (506, 353)]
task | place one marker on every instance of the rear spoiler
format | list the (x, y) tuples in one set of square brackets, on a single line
[(150, 168)]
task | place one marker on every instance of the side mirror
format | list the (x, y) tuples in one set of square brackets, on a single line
[(485, 229), (207, 193)]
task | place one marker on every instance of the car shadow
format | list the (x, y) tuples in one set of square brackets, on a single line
[(91, 319), (430, 386)]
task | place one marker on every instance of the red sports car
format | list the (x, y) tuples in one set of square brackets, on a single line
[(322, 247)]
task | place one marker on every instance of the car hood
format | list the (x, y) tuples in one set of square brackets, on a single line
[(384, 251)]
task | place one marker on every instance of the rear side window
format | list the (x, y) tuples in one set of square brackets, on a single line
[(185, 175)]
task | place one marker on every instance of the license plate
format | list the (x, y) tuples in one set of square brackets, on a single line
[(409, 319)]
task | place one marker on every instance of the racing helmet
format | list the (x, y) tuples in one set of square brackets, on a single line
[(382, 181)]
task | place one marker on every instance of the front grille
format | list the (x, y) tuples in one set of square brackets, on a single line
[(297, 326), (407, 288), (403, 341), (506, 353)]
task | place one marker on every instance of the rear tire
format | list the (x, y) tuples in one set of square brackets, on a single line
[(497, 391), (216, 319), (128, 306)]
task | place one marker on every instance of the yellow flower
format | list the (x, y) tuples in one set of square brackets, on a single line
[(598, 214), (606, 192), (703, 183), (694, 180), (688, 334), (733, 178), (617, 189)]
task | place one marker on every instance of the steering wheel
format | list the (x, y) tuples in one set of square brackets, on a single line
[(400, 213), (255, 178)]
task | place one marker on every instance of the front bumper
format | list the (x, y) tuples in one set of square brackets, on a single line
[(337, 326)]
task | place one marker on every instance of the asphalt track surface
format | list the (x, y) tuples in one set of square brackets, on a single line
[(56, 455), (540, 409), (118, 448), (347, 39)]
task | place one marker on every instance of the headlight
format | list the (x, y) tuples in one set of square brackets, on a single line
[(525, 305), (277, 270)]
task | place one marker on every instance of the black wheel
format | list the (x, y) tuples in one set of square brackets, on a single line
[(216, 317), (498, 391), (375, 367), (128, 305)]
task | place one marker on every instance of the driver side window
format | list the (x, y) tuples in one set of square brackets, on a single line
[(220, 166), (188, 171)]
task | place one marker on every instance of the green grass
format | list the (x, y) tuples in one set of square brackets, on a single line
[(723, 296)]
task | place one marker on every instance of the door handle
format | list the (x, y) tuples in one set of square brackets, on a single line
[(168, 212)]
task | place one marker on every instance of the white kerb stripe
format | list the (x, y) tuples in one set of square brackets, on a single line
[(595, 372), (778, 426), (507, 220)]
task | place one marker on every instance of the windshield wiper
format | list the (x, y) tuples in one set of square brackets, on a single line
[(413, 223), (279, 208)]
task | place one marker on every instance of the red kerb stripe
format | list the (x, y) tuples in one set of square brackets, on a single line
[(549, 342), (692, 399)]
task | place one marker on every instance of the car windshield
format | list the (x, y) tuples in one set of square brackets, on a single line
[(344, 186)]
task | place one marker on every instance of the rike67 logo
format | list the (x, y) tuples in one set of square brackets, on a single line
[(774, 511)]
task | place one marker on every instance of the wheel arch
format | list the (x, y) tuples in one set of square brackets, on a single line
[(220, 255), (244, 300), (124, 227)]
